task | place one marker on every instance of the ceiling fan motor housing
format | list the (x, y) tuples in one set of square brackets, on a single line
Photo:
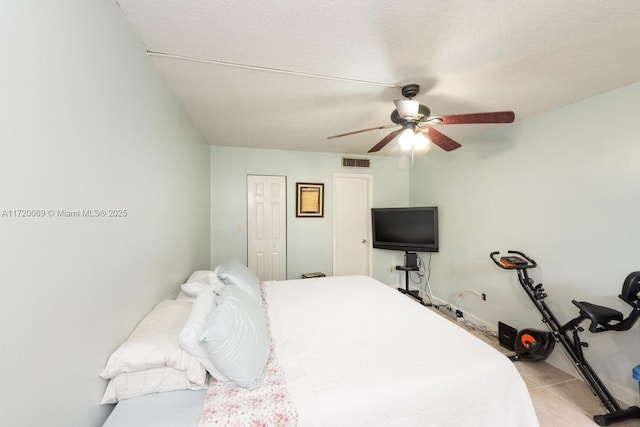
[(423, 112), (409, 91)]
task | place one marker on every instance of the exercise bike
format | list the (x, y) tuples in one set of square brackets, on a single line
[(535, 345)]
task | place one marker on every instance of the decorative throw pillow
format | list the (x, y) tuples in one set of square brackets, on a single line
[(236, 337), (188, 338), (236, 273)]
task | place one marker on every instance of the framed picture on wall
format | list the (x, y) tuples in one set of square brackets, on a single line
[(309, 199)]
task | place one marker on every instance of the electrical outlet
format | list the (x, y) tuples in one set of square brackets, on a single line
[(391, 269)]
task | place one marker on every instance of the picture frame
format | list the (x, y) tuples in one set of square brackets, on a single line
[(309, 200)]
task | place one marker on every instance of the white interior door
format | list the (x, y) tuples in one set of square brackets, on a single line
[(352, 224), (267, 226)]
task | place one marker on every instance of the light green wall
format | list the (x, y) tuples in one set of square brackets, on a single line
[(562, 187), (309, 240), (87, 123)]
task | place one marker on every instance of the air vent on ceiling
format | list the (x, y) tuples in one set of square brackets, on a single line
[(355, 163)]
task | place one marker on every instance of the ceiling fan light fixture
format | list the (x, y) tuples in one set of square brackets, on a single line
[(407, 107), (420, 141), (406, 139)]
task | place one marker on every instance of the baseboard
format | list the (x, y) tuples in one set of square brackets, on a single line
[(468, 316)]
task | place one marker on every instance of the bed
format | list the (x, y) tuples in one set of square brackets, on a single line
[(353, 351)]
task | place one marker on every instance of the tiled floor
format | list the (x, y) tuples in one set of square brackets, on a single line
[(560, 399)]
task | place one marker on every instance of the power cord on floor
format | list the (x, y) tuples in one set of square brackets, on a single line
[(426, 274)]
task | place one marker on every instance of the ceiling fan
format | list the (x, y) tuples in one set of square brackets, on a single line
[(415, 121)]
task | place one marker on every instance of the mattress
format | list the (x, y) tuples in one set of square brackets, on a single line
[(356, 352)]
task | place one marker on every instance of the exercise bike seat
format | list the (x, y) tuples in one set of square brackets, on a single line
[(598, 315)]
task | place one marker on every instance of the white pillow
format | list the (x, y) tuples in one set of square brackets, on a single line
[(236, 273), (199, 281), (236, 338), (154, 380), (154, 343), (188, 338), (184, 297), (204, 276)]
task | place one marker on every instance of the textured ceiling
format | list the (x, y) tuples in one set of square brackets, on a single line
[(287, 74)]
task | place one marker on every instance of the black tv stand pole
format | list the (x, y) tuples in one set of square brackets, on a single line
[(414, 293)]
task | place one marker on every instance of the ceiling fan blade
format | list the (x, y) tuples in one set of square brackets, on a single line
[(384, 141), (441, 140), (461, 119), (361, 130)]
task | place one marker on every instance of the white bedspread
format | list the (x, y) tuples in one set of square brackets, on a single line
[(356, 352)]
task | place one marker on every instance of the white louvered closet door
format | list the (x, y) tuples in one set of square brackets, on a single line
[(267, 226)]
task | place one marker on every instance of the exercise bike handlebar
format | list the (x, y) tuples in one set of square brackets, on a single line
[(505, 264)]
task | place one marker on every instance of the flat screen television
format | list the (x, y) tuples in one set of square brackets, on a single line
[(405, 229)]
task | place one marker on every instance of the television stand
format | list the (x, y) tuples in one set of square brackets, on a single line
[(414, 293)]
